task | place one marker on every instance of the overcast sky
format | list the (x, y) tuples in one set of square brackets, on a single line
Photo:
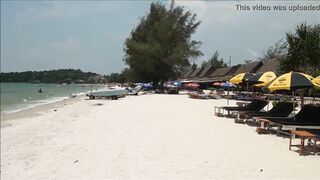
[(89, 35)]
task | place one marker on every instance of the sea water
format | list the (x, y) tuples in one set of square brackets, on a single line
[(19, 96)]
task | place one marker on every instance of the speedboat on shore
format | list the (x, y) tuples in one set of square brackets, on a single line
[(108, 93)]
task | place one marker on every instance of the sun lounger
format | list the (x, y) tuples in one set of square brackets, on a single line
[(281, 109), (198, 96), (307, 118), (255, 106)]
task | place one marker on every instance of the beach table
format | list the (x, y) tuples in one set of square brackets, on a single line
[(263, 127), (303, 135)]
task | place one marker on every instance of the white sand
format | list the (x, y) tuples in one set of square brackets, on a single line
[(145, 137)]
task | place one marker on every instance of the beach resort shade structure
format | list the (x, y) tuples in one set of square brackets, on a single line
[(241, 78), (316, 81), (192, 85), (147, 85), (171, 84), (262, 79), (217, 84), (291, 81), (227, 84), (177, 83)]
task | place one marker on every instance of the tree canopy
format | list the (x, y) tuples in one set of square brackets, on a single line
[(214, 61), (160, 47), (303, 48), (277, 51)]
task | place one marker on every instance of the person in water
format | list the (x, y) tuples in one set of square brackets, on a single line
[(40, 90)]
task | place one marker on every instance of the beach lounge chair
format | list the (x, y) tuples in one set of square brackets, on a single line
[(255, 106), (307, 118), (281, 109), (197, 96)]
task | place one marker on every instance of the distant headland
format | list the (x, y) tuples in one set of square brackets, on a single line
[(53, 76)]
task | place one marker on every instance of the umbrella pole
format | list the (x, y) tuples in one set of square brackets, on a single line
[(293, 104), (228, 96), (247, 90)]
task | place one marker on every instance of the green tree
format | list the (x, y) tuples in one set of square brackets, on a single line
[(277, 51), (160, 47), (51, 76), (214, 61), (194, 66), (303, 49)]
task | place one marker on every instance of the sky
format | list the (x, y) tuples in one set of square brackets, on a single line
[(90, 35)]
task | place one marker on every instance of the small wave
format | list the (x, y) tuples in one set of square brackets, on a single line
[(33, 104)]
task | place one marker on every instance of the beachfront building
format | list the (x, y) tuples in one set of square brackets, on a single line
[(252, 67), (205, 73), (187, 74), (195, 74), (270, 65), (223, 74)]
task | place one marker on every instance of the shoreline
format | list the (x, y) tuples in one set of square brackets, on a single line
[(38, 110), (18, 110)]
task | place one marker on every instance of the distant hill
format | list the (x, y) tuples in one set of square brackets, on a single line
[(52, 76)]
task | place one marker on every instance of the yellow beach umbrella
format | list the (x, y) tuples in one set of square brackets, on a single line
[(261, 79), (316, 81), (240, 78), (291, 81)]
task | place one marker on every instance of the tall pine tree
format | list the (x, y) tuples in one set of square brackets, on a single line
[(160, 47)]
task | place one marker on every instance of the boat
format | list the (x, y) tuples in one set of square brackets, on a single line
[(108, 93), (133, 91)]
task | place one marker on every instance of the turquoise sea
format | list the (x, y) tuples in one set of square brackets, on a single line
[(18, 96)]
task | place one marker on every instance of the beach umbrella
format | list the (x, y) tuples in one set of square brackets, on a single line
[(170, 86), (192, 85), (227, 84), (261, 79), (240, 78), (169, 83), (316, 81), (147, 85), (177, 83), (290, 81)]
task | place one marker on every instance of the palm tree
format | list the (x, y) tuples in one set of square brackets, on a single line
[(303, 49)]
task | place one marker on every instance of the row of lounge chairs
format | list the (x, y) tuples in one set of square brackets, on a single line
[(197, 95), (276, 119)]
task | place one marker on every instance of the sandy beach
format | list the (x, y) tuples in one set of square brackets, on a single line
[(143, 137)]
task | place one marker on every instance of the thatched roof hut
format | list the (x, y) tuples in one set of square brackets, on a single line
[(270, 65), (220, 74), (249, 67), (207, 71), (187, 74), (196, 73)]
